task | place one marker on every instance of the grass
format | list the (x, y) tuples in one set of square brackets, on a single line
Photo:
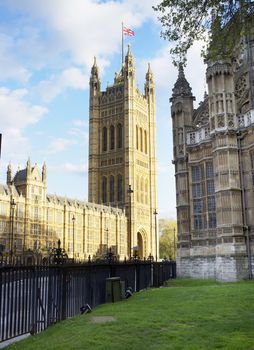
[(190, 314)]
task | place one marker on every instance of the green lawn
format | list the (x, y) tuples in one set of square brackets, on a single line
[(189, 314)]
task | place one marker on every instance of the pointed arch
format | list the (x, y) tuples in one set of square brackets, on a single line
[(104, 139), (119, 188), (141, 139), (145, 141), (142, 190), (119, 135), (112, 189), (137, 188), (112, 137), (104, 189)]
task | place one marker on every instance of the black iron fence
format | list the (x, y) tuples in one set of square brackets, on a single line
[(34, 297)]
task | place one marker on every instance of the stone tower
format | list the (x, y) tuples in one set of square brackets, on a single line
[(181, 111), (214, 169), (122, 152)]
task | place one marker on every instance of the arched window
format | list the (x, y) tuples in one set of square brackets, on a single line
[(104, 139), (141, 140), (119, 188), (112, 137), (142, 190), (146, 192), (137, 188), (136, 137), (119, 136), (145, 141), (104, 189), (112, 189)]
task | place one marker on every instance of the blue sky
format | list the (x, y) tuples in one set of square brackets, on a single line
[(46, 52)]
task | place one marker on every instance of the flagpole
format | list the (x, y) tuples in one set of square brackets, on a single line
[(122, 46)]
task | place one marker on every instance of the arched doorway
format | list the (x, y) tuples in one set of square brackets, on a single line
[(141, 243)]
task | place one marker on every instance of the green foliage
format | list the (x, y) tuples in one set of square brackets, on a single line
[(191, 315), (184, 21), (168, 239)]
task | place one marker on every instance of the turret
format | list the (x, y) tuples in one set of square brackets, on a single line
[(129, 64), (181, 112), (95, 84), (28, 167), (44, 173), (149, 84), (9, 174), (221, 97)]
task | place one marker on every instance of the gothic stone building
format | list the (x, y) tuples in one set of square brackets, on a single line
[(214, 171), (122, 182)]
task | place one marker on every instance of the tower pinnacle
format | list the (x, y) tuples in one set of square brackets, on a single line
[(181, 87)]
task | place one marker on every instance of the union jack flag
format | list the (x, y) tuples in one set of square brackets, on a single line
[(127, 31)]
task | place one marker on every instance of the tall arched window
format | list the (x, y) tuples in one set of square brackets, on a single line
[(145, 141), (136, 137), (104, 139), (137, 188), (119, 136), (146, 192), (112, 189), (104, 189), (141, 140), (119, 188), (142, 190), (112, 137)]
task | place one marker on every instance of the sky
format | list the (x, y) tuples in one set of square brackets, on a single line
[(46, 53)]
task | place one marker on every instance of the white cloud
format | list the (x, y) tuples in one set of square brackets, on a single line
[(58, 145), (69, 78), (10, 67), (165, 74), (80, 123), (81, 28), (16, 114), (80, 169)]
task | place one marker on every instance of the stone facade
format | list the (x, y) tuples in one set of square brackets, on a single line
[(38, 219), (122, 152), (122, 182), (214, 168)]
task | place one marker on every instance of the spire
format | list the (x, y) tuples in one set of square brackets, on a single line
[(129, 58), (149, 84), (95, 69), (44, 172), (182, 87), (94, 78), (149, 74), (9, 174), (28, 166)]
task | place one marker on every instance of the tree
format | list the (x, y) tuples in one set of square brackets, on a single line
[(168, 239), (184, 21)]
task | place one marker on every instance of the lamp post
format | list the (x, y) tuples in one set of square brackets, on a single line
[(155, 213), (107, 239), (13, 204), (73, 241), (129, 191), (174, 243)]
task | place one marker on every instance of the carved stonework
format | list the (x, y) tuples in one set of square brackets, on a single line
[(221, 121), (231, 123), (242, 93)]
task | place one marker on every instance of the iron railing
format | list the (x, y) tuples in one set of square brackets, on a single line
[(34, 297)]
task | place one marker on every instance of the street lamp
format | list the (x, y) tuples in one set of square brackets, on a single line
[(174, 243), (13, 204), (107, 239), (73, 242), (155, 213), (129, 191)]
